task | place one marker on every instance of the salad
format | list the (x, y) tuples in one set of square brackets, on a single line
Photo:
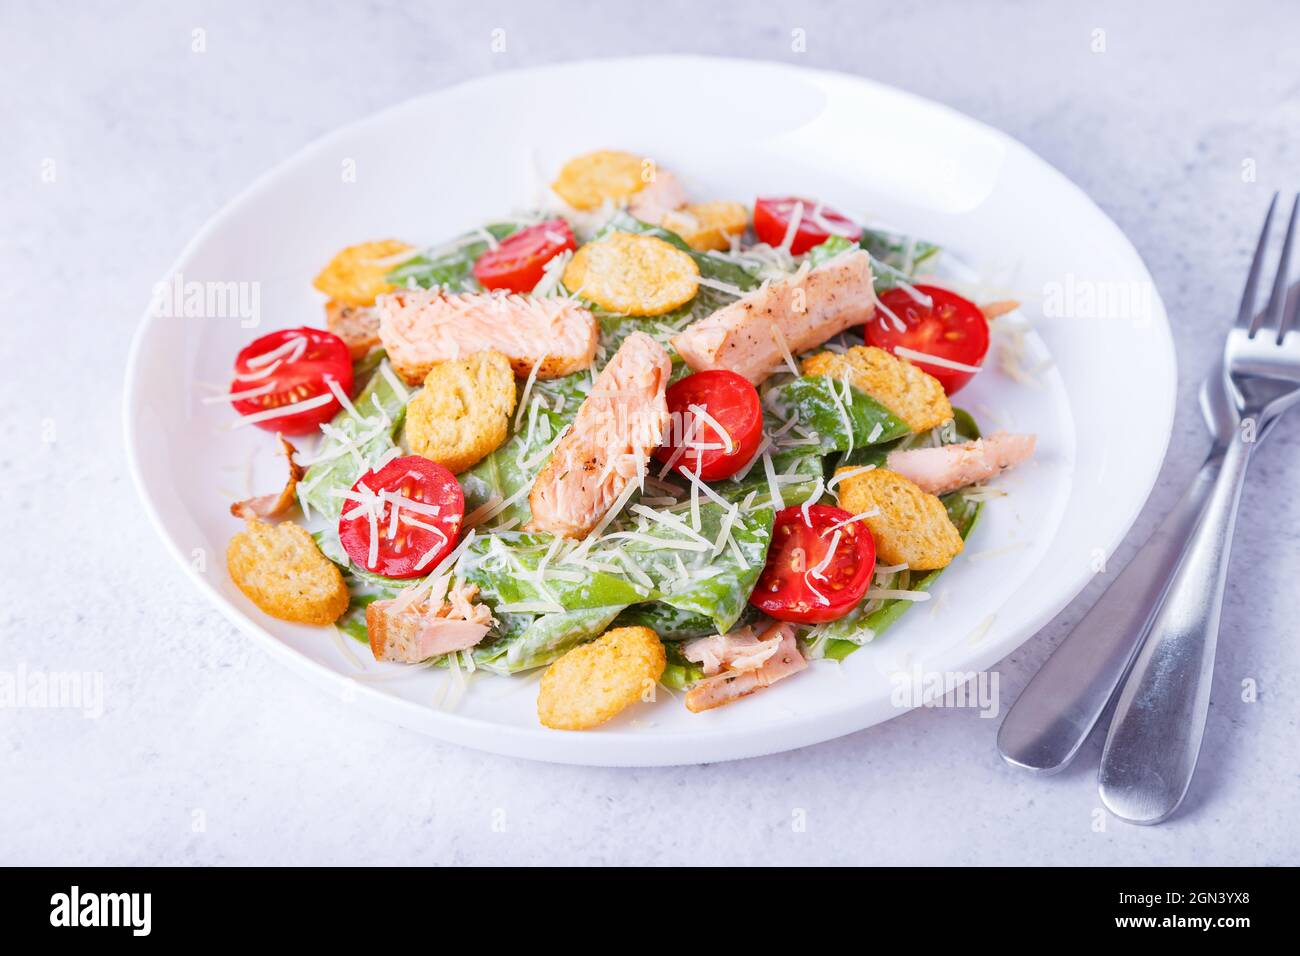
[(632, 439)]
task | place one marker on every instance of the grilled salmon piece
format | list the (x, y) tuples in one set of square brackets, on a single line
[(949, 467), (422, 327), (740, 650), (620, 421), (804, 310), (732, 684), (436, 621)]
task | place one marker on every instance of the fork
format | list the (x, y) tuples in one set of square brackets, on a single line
[(1159, 722)]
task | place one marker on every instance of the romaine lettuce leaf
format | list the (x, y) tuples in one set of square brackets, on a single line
[(530, 641), (453, 269), (504, 566), (383, 409), (899, 254), (843, 417)]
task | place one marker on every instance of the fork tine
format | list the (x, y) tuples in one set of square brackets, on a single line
[(1289, 316), (1246, 314), (1277, 299)]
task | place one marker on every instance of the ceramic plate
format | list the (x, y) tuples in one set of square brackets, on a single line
[(733, 129)]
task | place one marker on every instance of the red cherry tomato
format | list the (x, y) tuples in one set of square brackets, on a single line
[(517, 263), (287, 368), (430, 505), (729, 399), (794, 585), (817, 224), (950, 327)]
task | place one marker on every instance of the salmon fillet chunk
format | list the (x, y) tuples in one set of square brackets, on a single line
[(619, 423), (949, 467), (422, 327), (741, 677), (800, 312)]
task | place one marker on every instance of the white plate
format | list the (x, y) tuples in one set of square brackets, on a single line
[(448, 161)]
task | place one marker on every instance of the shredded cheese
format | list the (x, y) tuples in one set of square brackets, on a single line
[(774, 488), (904, 352)]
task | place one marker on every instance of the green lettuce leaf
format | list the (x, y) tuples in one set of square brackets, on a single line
[(504, 566), (713, 586), (842, 416), (383, 409), (453, 269), (528, 641), (895, 255)]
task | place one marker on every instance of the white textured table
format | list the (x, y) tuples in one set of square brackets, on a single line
[(208, 752)]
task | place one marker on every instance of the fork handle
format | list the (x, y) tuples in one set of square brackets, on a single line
[(1060, 706), (1155, 737)]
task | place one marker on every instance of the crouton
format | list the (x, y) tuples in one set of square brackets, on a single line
[(588, 180), (592, 683), (911, 528), (356, 325), (633, 274), (708, 225), (462, 414), (913, 395), (280, 569), (357, 274)]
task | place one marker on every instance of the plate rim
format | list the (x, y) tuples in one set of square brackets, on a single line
[(708, 745)]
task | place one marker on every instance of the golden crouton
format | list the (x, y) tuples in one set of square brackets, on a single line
[(912, 526), (280, 569), (463, 412), (586, 181), (356, 325), (633, 274), (913, 395), (357, 274), (708, 225), (592, 683)]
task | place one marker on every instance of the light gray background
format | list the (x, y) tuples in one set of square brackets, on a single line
[(149, 139)]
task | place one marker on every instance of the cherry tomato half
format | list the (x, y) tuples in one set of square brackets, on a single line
[(428, 503), (517, 263), (950, 327), (729, 399), (289, 367), (816, 224), (794, 586)]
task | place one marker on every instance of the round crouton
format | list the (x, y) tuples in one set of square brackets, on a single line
[(358, 273), (913, 395), (280, 569), (592, 683), (708, 225), (463, 412), (633, 274), (910, 527), (586, 181)]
